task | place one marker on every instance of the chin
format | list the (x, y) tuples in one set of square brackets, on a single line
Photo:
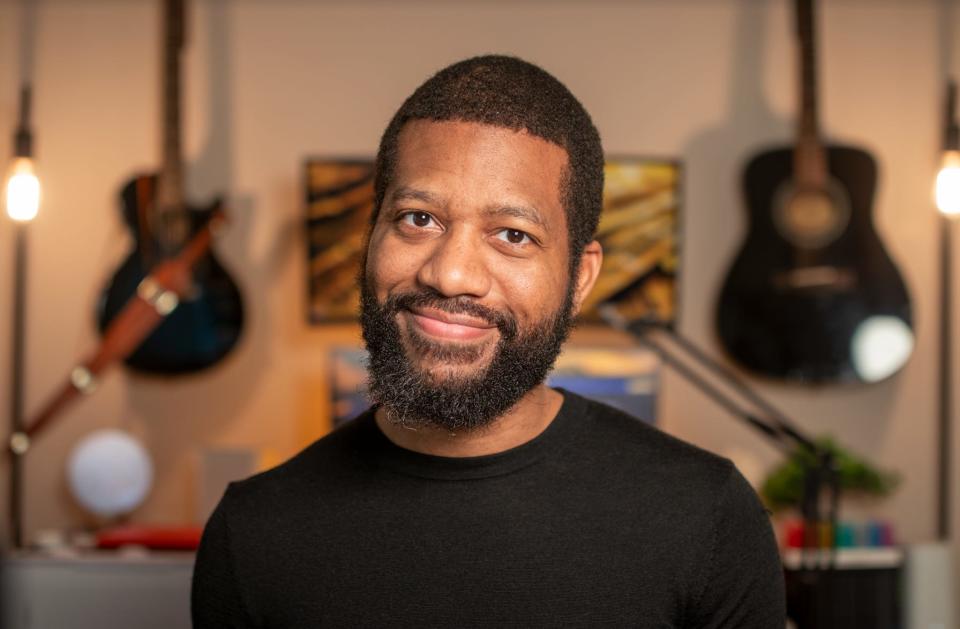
[(440, 373), (440, 367)]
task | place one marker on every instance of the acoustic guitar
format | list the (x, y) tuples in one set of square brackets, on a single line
[(207, 322), (812, 295)]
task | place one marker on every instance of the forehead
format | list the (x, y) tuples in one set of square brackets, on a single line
[(481, 162)]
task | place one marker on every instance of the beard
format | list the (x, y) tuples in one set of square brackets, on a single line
[(460, 399)]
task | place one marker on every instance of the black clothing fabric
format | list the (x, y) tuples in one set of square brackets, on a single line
[(600, 521)]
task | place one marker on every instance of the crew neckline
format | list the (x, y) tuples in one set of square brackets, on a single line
[(553, 438)]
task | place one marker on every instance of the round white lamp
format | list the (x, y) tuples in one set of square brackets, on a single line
[(109, 473)]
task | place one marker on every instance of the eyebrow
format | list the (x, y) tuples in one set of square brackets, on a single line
[(522, 212), (407, 193)]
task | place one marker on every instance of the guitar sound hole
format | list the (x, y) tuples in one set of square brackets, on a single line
[(811, 218)]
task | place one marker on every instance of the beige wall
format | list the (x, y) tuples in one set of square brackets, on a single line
[(271, 82)]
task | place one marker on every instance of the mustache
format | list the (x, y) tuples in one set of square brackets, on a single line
[(427, 298)]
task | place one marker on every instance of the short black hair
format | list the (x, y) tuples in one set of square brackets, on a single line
[(514, 94)]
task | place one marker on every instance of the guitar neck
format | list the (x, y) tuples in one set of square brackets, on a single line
[(170, 195), (810, 165)]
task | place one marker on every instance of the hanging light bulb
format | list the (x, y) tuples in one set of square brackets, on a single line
[(23, 187), (948, 178), (948, 184), (23, 190)]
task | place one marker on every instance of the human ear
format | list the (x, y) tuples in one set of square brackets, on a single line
[(590, 261)]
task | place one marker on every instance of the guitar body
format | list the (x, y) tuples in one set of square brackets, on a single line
[(205, 325), (814, 310)]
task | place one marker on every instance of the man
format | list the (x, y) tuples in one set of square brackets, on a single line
[(472, 494)]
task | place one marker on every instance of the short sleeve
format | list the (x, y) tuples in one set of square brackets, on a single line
[(215, 598), (743, 585)]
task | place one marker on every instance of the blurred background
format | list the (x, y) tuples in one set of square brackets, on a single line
[(267, 86)]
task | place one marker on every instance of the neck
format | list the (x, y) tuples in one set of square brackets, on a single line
[(525, 420)]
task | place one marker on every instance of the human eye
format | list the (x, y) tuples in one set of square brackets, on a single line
[(514, 236), (417, 219)]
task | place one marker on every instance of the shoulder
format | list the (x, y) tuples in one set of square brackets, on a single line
[(689, 500), (663, 480), (640, 448), (327, 464), (257, 532)]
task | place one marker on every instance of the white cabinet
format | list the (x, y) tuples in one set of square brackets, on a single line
[(97, 590)]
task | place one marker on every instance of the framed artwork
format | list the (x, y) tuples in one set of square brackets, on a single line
[(348, 386), (626, 378), (639, 231), (339, 200)]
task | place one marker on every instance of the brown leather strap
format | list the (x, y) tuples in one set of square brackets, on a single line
[(156, 297)]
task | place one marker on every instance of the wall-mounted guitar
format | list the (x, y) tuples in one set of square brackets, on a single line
[(206, 324), (813, 296)]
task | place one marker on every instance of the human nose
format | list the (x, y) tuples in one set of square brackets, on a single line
[(455, 267)]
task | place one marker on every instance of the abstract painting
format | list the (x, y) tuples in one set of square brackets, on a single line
[(339, 200)]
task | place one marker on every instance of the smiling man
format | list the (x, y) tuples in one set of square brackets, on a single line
[(472, 494), (463, 307)]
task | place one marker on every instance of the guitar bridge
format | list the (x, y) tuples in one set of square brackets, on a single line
[(816, 278)]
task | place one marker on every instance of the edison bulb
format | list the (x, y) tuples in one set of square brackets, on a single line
[(23, 191), (948, 184)]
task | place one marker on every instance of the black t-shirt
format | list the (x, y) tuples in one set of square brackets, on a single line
[(600, 521)]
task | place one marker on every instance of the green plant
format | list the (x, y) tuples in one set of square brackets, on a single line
[(783, 487)]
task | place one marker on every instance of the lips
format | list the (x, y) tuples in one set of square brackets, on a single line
[(445, 325)]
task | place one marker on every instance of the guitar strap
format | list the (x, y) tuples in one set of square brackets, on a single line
[(157, 296)]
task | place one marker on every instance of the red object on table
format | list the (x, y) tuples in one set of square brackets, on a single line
[(793, 537), (154, 537)]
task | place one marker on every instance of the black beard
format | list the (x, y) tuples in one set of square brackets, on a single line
[(412, 397)]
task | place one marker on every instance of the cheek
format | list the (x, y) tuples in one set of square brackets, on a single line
[(388, 265), (535, 293)]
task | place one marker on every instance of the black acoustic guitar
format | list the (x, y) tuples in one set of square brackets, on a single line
[(207, 322), (812, 295)]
